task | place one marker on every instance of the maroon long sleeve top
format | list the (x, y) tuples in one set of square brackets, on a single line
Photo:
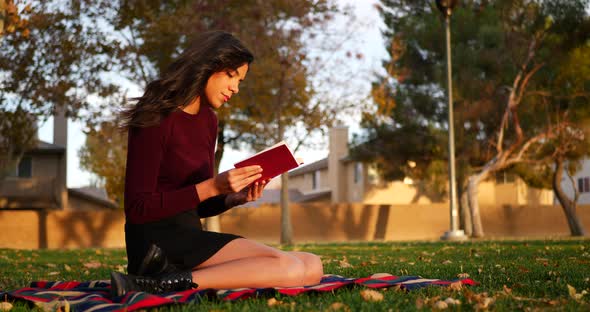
[(164, 162)]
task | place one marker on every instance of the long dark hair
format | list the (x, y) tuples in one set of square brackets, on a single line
[(186, 78)]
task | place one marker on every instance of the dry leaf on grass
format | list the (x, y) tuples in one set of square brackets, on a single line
[(67, 267), (52, 273), (344, 264), (485, 303), (338, 306), (455, 286), (273, 302), (452, 301), (5, 306), (93, 265), (371, 295), (463, 275), (507, 291), (447, 262), (440, 305), (574, 294)]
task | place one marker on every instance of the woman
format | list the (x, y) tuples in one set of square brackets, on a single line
[(169, 184)]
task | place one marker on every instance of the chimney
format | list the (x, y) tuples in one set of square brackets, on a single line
[(60, 127), (338, 148), (60, 137)]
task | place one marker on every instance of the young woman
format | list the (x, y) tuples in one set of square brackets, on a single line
[(169, 184)]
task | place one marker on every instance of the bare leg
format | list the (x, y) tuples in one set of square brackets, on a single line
[(245, 263), (314, 269)]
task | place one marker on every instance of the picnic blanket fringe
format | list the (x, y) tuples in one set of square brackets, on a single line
[(95, 295)]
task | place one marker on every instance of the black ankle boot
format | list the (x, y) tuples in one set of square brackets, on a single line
[(155, 263), (167, 282)]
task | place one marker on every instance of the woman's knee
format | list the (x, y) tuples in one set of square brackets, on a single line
[(315, 269), (313, 266), (293, 268)]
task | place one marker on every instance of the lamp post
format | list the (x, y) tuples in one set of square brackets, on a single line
[(446, 8)]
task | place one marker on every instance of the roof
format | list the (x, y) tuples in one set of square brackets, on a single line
[(46, 148), (316, 165), (94, 194), (327, 194), (273, 196)]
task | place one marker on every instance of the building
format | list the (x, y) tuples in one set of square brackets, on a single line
[(39, 181), (581, 181), (339, 179)]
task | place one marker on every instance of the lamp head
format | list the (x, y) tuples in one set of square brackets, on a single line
[(446, 6)]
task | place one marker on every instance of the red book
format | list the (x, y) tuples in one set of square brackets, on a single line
[(274, 160)]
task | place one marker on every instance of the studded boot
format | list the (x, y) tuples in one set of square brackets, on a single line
[(155, 263), (166, 282)]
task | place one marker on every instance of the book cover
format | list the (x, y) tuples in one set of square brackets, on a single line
[(274, 160)]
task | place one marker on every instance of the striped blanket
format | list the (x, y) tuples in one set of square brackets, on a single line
[(95, 295)]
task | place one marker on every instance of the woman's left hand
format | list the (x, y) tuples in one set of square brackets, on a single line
[(247, 194)]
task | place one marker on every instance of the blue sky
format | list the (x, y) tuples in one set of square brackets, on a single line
[(370, 45)]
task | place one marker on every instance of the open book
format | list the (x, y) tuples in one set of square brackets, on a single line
[(274, 160)]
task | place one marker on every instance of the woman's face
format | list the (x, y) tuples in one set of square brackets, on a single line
[(221, 86)]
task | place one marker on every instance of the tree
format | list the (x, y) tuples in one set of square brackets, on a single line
[(104, 154), (503, 53), (275, 102), (49, 60)]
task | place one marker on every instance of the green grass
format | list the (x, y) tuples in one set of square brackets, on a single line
[(515, 275)]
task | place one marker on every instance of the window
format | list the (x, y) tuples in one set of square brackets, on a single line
[(358, 172), (315, 180), (24, 168), (584, 185), (504, 178)]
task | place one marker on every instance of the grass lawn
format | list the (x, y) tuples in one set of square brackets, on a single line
[(513, 275)]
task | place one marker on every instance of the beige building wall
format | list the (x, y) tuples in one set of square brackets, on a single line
[(45, 165), (304, 182)]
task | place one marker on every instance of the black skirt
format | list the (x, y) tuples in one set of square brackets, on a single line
[(181, 237)]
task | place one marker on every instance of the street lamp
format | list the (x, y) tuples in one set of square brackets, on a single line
[(446, 8)]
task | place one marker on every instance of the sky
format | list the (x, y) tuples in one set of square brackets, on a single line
[(370, 45)]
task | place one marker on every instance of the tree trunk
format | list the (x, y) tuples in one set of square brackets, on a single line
[(286, 228), (212, 223), (466, 221), (472, 191), (568, 205)]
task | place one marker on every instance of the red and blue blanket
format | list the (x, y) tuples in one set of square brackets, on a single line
[(95, 295)]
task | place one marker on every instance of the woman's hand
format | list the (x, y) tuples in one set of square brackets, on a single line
[(235, 180), (248, 194)]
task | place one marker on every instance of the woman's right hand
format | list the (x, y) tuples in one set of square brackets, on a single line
[(234, 180)]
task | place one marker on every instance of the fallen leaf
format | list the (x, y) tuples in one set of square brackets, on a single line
[(440, 305), (574, 294), (452, 301), (463, 275), (447, 262), (455, 286), (273, 302), (507, 290), (371, 295), (92, 265), (67, 267), (344, 264), (338, 306), (5, 306), (484, 303), (53, 273), (50, 265), (419, 303)]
